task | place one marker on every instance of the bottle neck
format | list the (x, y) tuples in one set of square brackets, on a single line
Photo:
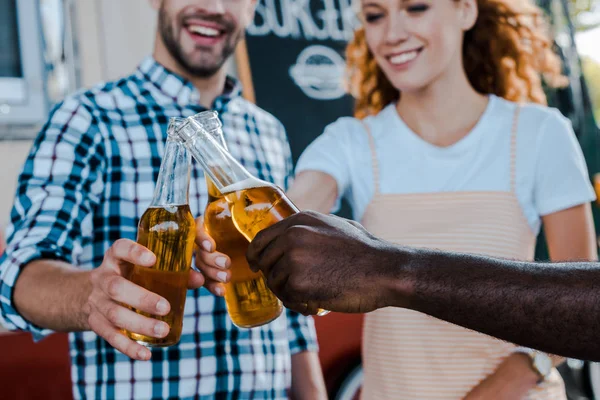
[(172, 185), (223, 170), (213, 192)]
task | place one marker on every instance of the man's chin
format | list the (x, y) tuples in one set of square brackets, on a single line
[(203, 63), (202, 69), (202, 72)]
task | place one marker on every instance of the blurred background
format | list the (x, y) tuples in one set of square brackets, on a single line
[(51, 48)]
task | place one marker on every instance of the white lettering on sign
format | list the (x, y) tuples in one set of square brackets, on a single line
[(333, 20)]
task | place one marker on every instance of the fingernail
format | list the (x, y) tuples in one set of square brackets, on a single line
[(207, 246), (222, 276), (160, 330), (143, 354), (219, 291), (147, 257), (221, 262), (162, 306)]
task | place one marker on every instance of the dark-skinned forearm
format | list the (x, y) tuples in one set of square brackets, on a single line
[(551, 307)]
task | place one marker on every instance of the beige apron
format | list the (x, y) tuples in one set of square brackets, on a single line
[(409, 355)]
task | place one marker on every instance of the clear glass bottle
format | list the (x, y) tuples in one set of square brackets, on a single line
[(168, 229), (249, 301)]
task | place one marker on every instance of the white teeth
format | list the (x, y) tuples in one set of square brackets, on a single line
[(404, 57), (204, 30)]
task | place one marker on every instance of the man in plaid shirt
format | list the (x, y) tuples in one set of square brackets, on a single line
[(87, 181)]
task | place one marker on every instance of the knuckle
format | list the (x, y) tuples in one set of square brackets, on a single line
[(148, 300), (273, 276), (92, 322), (112, 314), (299, 234), (135, 252), (286, 260), (130, 349), (116, 247), (114, 338), (310, 216), (295, 257), (94, 298), (120, 243), (296, 285), (114, 287), (206, 258), (311, 213)]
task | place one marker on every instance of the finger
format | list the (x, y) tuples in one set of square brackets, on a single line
[(196, 280), (215, 288), (203, 239), (117, 338), (277, 281), (265, 258), (123, 291), (295, 236), (125, 318), (124, 250), (214, 274), (212, 260), (265, 237)]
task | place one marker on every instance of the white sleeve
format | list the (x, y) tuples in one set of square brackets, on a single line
[(561, 175), (330, 153)]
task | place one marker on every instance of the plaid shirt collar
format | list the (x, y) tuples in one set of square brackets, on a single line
[(180, 90)]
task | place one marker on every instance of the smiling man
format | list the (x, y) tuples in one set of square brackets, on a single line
[(87, 181)]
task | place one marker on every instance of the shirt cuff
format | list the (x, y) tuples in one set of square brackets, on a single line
[(11, 265), (557, 204)]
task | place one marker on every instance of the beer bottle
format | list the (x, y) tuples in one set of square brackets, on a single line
[(168, 229), (254, 204), (249, 301)]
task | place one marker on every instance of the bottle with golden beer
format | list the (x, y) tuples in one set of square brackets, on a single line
[(249, 301), (168, 229), (254, 203)]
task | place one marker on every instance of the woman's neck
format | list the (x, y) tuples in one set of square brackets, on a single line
[(444, 112)]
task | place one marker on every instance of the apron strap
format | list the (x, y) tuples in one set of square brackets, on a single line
[(513, 149), (374, 162)]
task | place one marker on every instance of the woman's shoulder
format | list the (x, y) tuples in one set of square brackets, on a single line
[(536, 115), (545, 138), (355, 127), (344, 125)]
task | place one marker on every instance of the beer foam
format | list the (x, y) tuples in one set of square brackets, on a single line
[(246, 184)]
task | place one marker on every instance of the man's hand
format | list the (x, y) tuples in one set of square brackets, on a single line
[(314, 261), (213, 265), (111, 293), (511, 381)]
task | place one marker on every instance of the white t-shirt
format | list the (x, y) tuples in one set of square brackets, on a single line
[(551, 170)]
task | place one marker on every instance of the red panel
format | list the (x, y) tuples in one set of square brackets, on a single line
[(31, 370), (340, 338)]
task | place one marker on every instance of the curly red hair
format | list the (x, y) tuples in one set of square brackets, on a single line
[(506, 53)]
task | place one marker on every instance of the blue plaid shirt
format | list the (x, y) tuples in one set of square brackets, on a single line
[(87, 181)]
